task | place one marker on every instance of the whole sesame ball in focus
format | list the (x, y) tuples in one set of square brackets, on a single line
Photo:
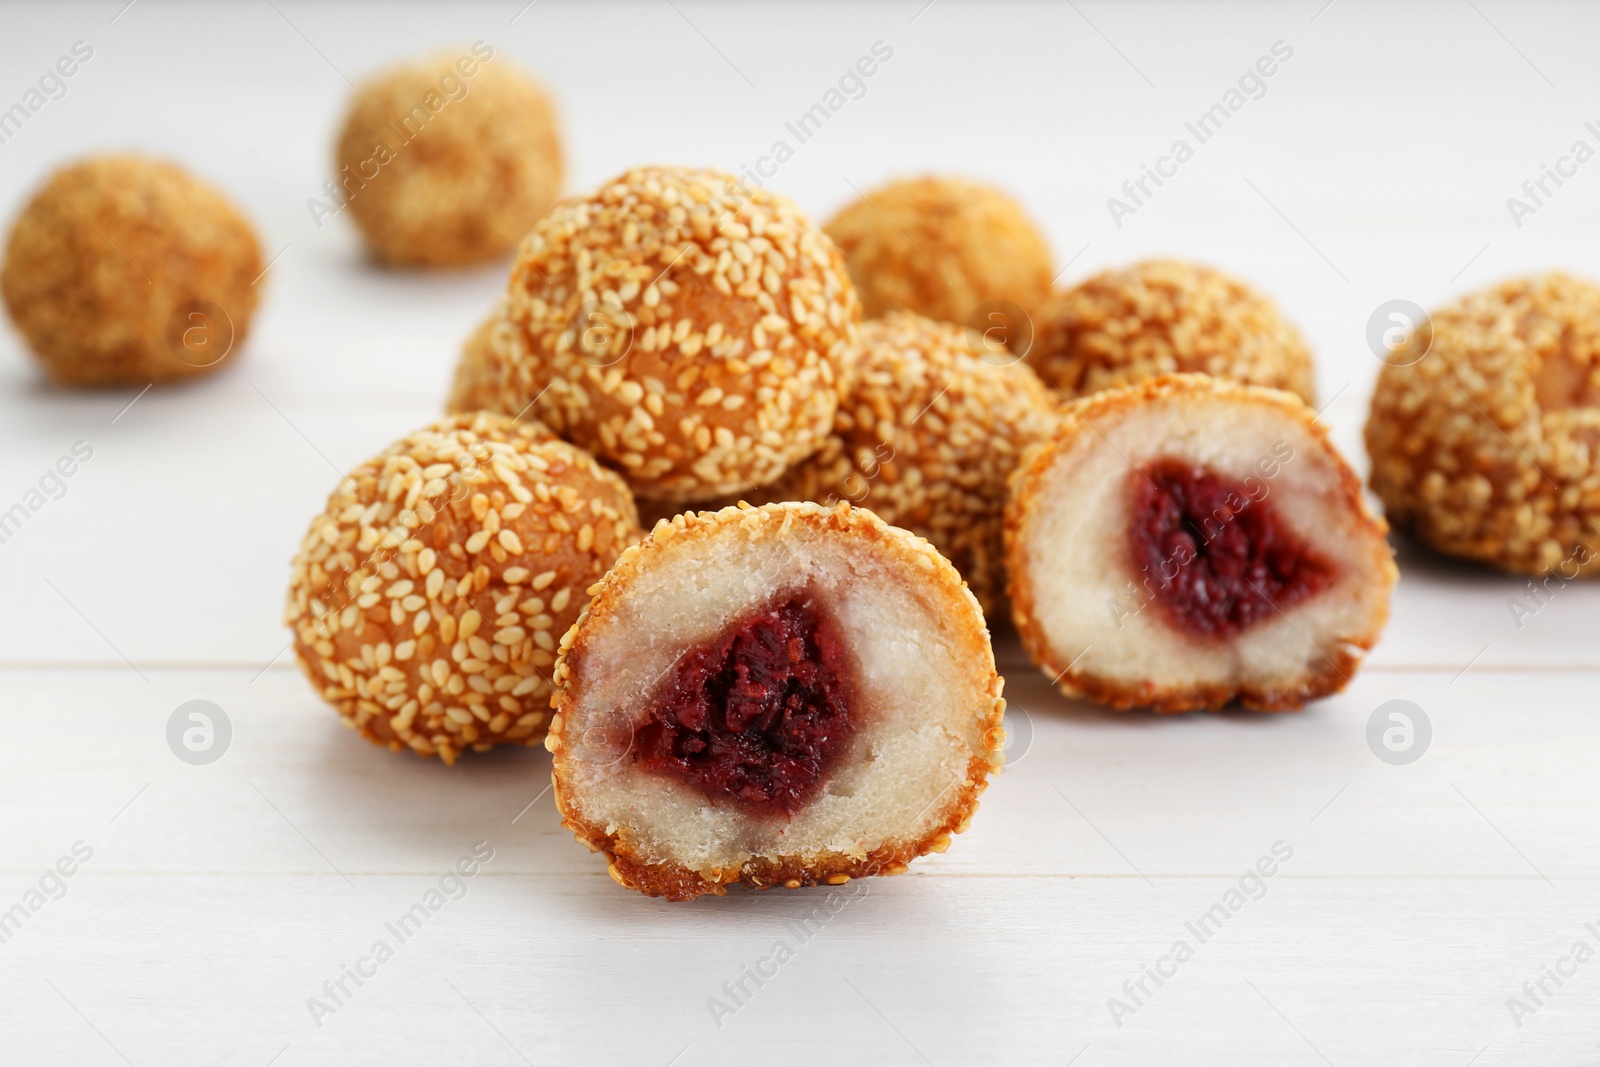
[(927, 439), (688, 330), (124, 270), (429, 598), (449, 160), (942, 247), (1166, 317), (1484, 431)]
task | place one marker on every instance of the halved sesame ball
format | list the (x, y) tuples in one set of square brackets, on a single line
[(1486, 447), (449, 160), (428, 598), (688, 330), (124, 270), (1166, 317), (926, 439), (786, 695), (1187, 542), (941, 247)]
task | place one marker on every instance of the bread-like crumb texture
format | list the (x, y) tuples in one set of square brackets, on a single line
[(940, 247), (104, 256), (442, 168), (427, 598), (933, 643), (927, 439), (1486, 447), (1074, 588), (1166, 317), (689, 331)]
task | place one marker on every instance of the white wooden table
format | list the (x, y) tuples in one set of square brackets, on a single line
[(215, 901)]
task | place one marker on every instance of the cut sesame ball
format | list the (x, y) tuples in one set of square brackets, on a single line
[(1166, 317), (124, 270), (1188, 542), (688, 330), (449, 160), (941, 247), (927, 439), (1486, 447), (786, 695), (428, 599)]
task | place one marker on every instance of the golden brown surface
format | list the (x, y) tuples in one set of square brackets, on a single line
[(102, 261), (941, 247), (1485, 448), (473, 387), (926, 440), (1166, 317), (689, 333), (1339, 663), (427, 599), (682, 534), (442, 169)]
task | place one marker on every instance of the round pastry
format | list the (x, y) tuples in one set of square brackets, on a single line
[(124, 270), (1187, 542), (786, 695), (1166, 317), (1486, 447), (942, 247), (449, 160), (927, 439), (427, 599), (687, 330), (475, 383)]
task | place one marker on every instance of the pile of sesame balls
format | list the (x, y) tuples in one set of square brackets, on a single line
[(679, 338)]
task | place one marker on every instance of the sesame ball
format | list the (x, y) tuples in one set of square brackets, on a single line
[(1166, 317), (927, 440), (688, 331), (124, 270), (1484, 448), (428, 600), (449, 160), (473, 386), (942, 247)]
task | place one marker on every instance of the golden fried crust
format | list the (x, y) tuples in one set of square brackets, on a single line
[(1080, 417), (1166, 317), (435, 178), (689, 331), (683, 534), (1485, 448), (926, 439), (426, 599), (940, 247), (108, 252)]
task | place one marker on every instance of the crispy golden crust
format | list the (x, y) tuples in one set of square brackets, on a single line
[(1081, 417), (443, 169), (108, 252), (1166, 317), (940, 247), (426, 599), (688, 331), (683, 534), (926, 439), (1485, 448)]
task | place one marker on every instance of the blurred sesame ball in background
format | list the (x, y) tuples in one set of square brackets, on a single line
[(449, 161), (942, 247), (126, 270)]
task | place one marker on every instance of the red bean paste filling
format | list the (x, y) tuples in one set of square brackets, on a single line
[(1212, 551), (758, 715)]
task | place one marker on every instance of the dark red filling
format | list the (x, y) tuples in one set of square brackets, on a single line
[(758, 715), (1213, 552)]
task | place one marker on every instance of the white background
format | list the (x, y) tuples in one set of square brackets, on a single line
[(219, 898)]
